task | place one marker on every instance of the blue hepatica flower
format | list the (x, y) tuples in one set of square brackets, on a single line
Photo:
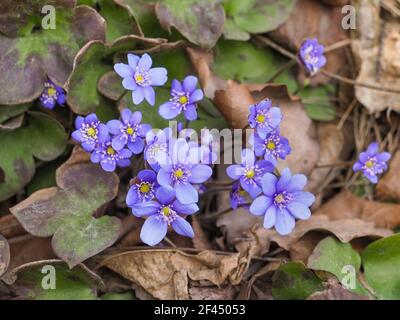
[(89, 132), (238, 196), (184, 97), (162, 212), (283, 200), (142, 189), (156, 146), (181, 169), (311, 55), (129, 131), (109, 157), (250, 172), (264, 118), (372, 163), (139, 77), (272, 147), (52, 95)]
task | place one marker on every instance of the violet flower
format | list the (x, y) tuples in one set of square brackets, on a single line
[(139, 77), (89, 132), (129, 131), (109, 158), (272, 147), (184, 97), (311, 55), (250, 172), (163, 212), (52, 95), (372, 163), (142, 189), (283, 200), (264, 118)]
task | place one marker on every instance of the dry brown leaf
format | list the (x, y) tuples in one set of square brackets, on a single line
[(346, 205), (377, 49), (388, 187), (242, 228), (10, 227), (312, 18), (337, 293), (165, 274), (200, 240), (213, 293)]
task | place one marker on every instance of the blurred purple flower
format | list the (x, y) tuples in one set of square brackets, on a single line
[(237, 195), (139, 77), (142, 189), (181, 169), (89, 132), (128, 131), (250, 172), (372, 163), (52, 95), (312, 55), (156, 147), (264, 118), (109, 157), (272, 147), (183, 98), (163, 212), (283, 200)]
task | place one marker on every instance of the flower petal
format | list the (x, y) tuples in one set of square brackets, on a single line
[(284, 180), (149, 95), (234, 171), (133, 61), (186, 193), (126, 115), (118, 142), (284, 222), (136, 146), (182, 227), (132, 197), (165, 194), (168, 110), (303, 197), (153, 231), (185, 208), (164, 178), (123, 70), (189, 83), (114, 126), (196, 96), (145, 62), (145, 209), (200, 173), (269, 184), (260, 205), (158, 76), (137, 95), (147, 175), (299, 210), (190, 112), (297, 183), (270, 217), (129, 83)]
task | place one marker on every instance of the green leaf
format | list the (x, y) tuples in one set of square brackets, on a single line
[(317, 102), (34, 281), (293, 281), (258, 16), (245, 62), (66, 212), (333, 256), (27, 61), (8, 112), (119, 18), (381, 261), (118, 296), (42, 137), (200, 21), (233, 32)]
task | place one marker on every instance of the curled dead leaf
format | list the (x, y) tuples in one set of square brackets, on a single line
[(346, 205), (337, 293), (165, 274), (388, 187)]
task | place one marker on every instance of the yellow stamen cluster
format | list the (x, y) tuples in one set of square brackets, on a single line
[(279, 198), (51, 91), (110, 151), (91, 132), (130, 131), (250, 174), (178, 173), (260, 118), (166, 211), (271, 145), (144, 188), (183, 99), (369, 164)]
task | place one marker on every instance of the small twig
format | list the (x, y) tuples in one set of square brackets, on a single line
[(285, 67), (337, 164), (346, 114), (357, 83), (338, 45)]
